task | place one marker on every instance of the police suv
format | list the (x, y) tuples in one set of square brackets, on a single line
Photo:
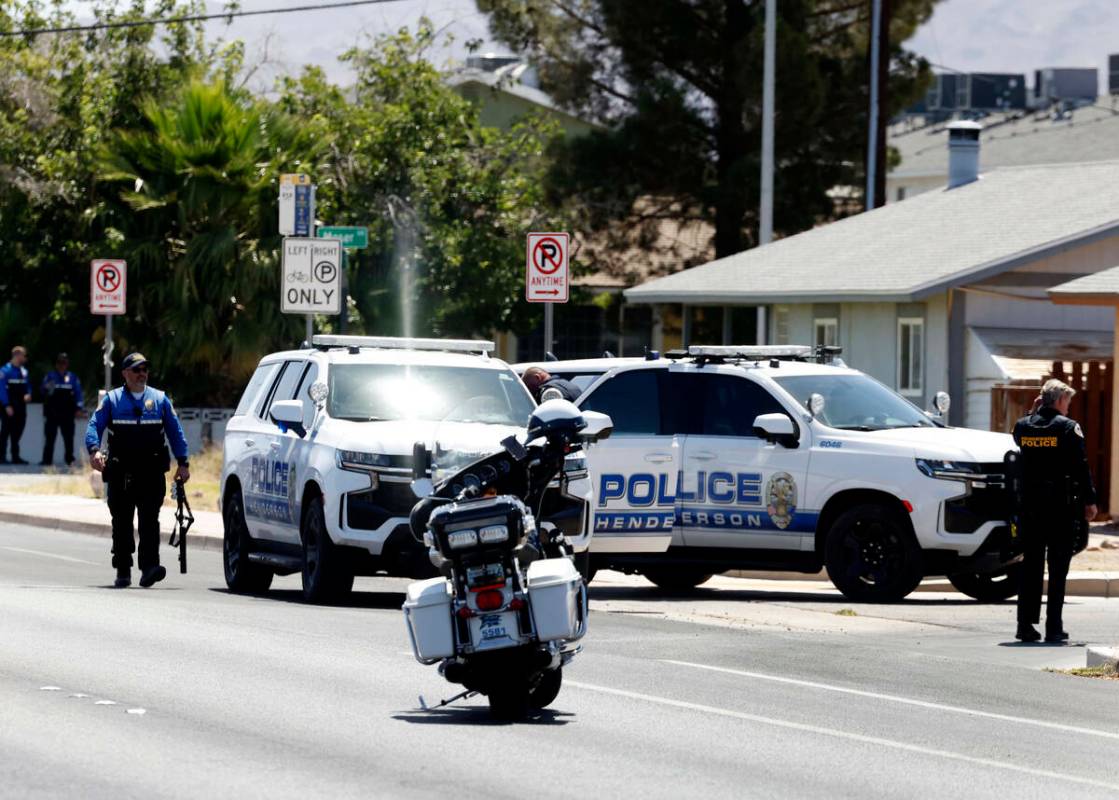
[(782, 458), (319, 456)]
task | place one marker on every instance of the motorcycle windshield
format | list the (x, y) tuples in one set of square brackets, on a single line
[(458, 445)]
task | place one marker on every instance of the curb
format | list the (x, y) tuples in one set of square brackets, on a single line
[(1102, 656), (195, 541)]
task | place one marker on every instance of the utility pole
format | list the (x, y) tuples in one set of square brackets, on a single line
[(765, 226), (872, 116)]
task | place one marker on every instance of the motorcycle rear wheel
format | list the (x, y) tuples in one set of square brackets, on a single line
[(547, 688), (510, 703)]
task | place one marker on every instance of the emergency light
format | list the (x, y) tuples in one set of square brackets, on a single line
[(324, 342)]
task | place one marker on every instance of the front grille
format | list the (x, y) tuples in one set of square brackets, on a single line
[(984, 504), (370, 509)]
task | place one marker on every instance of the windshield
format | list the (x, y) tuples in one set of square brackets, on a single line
[(855, 402), (389, 392)]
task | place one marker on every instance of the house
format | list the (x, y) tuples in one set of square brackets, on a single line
[(944, 291)]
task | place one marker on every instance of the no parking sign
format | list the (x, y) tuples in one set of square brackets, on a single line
[(546, 268), (107, 282)]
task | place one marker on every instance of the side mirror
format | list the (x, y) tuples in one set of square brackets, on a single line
[(941, 403), (318, 393), (288, 414), (776, 428), (599, 426)]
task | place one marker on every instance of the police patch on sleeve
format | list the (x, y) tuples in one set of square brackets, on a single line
[(1077, 430)]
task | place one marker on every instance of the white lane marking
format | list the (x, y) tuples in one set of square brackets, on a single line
[(839, 734), (50, 688), (137, 711), (893, 698), (49, 555), (105, 703), (79, 695)]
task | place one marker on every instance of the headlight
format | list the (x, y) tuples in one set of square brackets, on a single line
[(948, 470), (575, 466), (460, 539), (493, 533), (360, 462)]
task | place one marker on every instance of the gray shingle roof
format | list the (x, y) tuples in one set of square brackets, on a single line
[(1102, 284), (1091, 134), (909, 250)]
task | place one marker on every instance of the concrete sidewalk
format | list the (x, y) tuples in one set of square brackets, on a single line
[(86, 515)]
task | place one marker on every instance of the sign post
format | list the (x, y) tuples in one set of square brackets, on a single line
[(352, 238), (311, 278), (107, 293), (547, 276)]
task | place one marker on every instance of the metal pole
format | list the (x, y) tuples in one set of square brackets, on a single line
[(310, 328), (548, 328), (762, 327), (765, 226), (872, 127), (344, 301), (108, 357)]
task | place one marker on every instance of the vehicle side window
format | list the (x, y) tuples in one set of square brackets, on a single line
[(289, 380), (730, 405), (304, 393), (261, 378), (632, 401)]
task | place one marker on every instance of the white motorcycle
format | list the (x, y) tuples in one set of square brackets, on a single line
[(507, 612)]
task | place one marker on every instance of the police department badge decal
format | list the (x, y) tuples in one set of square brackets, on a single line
[(781, 499), (149, 404)]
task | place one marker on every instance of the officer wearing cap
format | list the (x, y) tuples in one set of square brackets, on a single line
[(1057, 496), (138, 418), (539, 380), (62, 403), (15, 394)]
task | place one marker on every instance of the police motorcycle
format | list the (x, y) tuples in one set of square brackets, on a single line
[(509, 607)]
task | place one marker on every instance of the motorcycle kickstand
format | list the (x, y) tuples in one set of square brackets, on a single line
[(460, 696)]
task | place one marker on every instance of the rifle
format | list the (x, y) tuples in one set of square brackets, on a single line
[(183, 520)]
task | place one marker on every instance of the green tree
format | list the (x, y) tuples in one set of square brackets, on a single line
[(678, 84)]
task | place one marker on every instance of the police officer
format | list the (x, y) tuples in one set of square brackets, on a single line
[(62, 403), (538, 380), (1057, 496), (138, 418), (15, 394)]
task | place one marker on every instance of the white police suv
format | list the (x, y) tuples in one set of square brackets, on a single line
[(781, 458), (319, 456)]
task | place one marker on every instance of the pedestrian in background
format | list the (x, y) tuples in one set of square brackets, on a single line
[(1057, 498), (139, 420), (538, 380), (62, 404), (15, 394)]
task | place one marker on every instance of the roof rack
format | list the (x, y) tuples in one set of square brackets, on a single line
[(403, 343), (704, 354)]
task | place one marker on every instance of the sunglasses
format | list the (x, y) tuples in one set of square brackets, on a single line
[(141, 368)]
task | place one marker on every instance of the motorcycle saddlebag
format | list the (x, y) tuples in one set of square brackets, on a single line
[(427, 612), (555, 597)]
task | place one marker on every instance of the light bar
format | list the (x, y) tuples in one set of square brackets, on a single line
[(761, 351), (402, 343)]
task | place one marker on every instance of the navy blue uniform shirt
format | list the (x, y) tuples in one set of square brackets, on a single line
[(62, 392), (15, 384), (137, 425)]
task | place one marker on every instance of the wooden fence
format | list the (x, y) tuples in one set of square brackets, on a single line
[(1091, 407)]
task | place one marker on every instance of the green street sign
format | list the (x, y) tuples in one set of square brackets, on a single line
[(352, 237)]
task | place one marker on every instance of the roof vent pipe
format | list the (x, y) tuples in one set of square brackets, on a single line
[(963, 152)]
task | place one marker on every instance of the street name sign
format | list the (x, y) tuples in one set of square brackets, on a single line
[(312, 276), (352, 237), (297, 205), (546, 268), (107, 282)]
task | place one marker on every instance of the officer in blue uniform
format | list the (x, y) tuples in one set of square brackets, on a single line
[(539, 380), (15, 394), (62, 403), (137, 418)]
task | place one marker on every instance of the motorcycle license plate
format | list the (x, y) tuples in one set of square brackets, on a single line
[(485, 575), (494, 629)]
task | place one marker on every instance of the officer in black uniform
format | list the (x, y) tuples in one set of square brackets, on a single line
[(1057, 497), (538, 380), (138, 418), (62, 404)]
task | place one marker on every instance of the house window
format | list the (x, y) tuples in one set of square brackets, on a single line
[(780, 324), (827, 331), (911, 349)]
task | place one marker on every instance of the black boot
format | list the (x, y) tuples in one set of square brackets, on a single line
[(1027, 633), (1055, 635), (124, 578), (153, 576)]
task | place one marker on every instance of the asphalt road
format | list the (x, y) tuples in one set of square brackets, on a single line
[(186, 691)]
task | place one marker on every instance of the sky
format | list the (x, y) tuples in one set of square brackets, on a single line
[(966, 35)]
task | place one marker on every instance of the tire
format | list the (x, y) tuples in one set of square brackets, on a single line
[(992, 587), (583, 564), (241, 575), (547, 689), (325, 580), (510, 703), (871, 556), (677, 580)]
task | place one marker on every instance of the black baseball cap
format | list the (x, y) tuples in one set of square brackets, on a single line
[(133, 360)]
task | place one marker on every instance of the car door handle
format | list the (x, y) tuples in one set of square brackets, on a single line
[(702, 455), (274, 445), (658, 458), (250, 443)]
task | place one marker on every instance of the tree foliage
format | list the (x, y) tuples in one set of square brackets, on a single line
[(678, 84)]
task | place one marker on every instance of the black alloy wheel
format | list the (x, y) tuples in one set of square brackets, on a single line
[(325, 580), (241, 575), (871, 556)]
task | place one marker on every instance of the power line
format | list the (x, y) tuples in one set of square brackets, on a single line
[(137, 23)]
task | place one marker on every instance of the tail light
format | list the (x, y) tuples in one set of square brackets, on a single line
[(490, 600)]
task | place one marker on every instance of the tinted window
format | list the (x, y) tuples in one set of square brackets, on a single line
[(285, 389), (856, 402), (261, 378), (730, 405), (631, 399)]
